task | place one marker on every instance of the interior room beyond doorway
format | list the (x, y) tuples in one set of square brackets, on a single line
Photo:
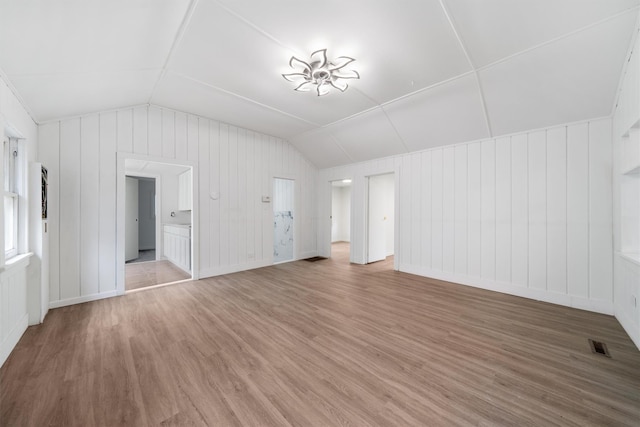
[(341, 219), (158, 217)]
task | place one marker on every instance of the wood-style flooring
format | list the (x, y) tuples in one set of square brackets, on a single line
[(320, 343), (144, 274)]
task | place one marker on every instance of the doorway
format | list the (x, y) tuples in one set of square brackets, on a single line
[(140, 220), (341, 220), (283, 214), (380, 217), (156, 209)]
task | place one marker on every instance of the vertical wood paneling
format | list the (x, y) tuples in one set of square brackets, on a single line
[(448, 209), (125, 131), (436, 208), (70, 208), (49, 154), (205, 209), (241, 192), (474, 206), (600, 200), (267, 190), (425, 198), (519, 211), (416, 214), (140, 128), (405, 214), (107, 202), (213, 181), (224, 194), (232, 217), (503, 210), (168, 134), (578, 210), (192, 138), (537, 160), (461, 200), (235, 229), (557, 210), (90, 205), (154, 132), (488, 212), (252, 197), (182, 145), (258, 156)]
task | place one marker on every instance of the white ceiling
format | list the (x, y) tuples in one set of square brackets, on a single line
[(433, 72)]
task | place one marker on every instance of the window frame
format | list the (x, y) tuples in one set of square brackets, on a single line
[(12, 171)]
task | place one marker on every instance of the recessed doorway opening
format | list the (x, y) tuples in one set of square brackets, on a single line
[(341, 219), (380, 217), (155, 220), (283, 220)]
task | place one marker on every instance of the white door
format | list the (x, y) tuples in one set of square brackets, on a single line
[(380, 217), (131, 220)]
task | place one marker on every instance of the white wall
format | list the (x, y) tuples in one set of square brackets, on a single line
[(527, 214), (235, 169), (341, 214), (626, 271), (15, 279)]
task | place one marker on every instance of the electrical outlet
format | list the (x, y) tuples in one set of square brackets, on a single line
[(251, 255)]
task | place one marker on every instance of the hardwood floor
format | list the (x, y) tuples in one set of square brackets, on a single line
[(320, 343), (145, 274)]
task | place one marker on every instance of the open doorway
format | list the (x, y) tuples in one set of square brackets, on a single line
[(380, 218), (341, 220), (283, 214), (140, 219), (158, 219)]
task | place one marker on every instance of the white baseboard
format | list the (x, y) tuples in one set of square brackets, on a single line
[(12, 339), (228, 269), (598, 306), (629, 326), (80, 300), (309, 254)]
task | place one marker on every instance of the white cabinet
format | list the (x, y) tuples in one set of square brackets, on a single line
[(177, 245), (185, 191)]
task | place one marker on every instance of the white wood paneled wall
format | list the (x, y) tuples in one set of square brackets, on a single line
[(15, 279), (626, 272), (527, 214), (235, 169)]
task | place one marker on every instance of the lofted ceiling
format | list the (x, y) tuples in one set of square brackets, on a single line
[(433, 72)]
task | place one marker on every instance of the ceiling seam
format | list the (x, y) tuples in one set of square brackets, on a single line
[(625, 65), (337, 142), (408, 95), (406, 149), (244, 98), (15, 93), (176, 41), (253, 26), (483, 101), (555, 39)]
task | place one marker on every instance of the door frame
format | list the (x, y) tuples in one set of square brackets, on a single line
[(396, 216), (295, 215), (121, 158), (350, 213)]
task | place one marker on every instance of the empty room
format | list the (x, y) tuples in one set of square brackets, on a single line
[(346, 213)]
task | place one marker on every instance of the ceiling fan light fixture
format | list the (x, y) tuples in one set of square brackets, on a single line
[(320, 73)]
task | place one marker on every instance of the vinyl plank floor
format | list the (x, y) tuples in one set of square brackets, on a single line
[(317, 344)]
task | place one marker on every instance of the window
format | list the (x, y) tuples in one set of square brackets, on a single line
[(11, 198)]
